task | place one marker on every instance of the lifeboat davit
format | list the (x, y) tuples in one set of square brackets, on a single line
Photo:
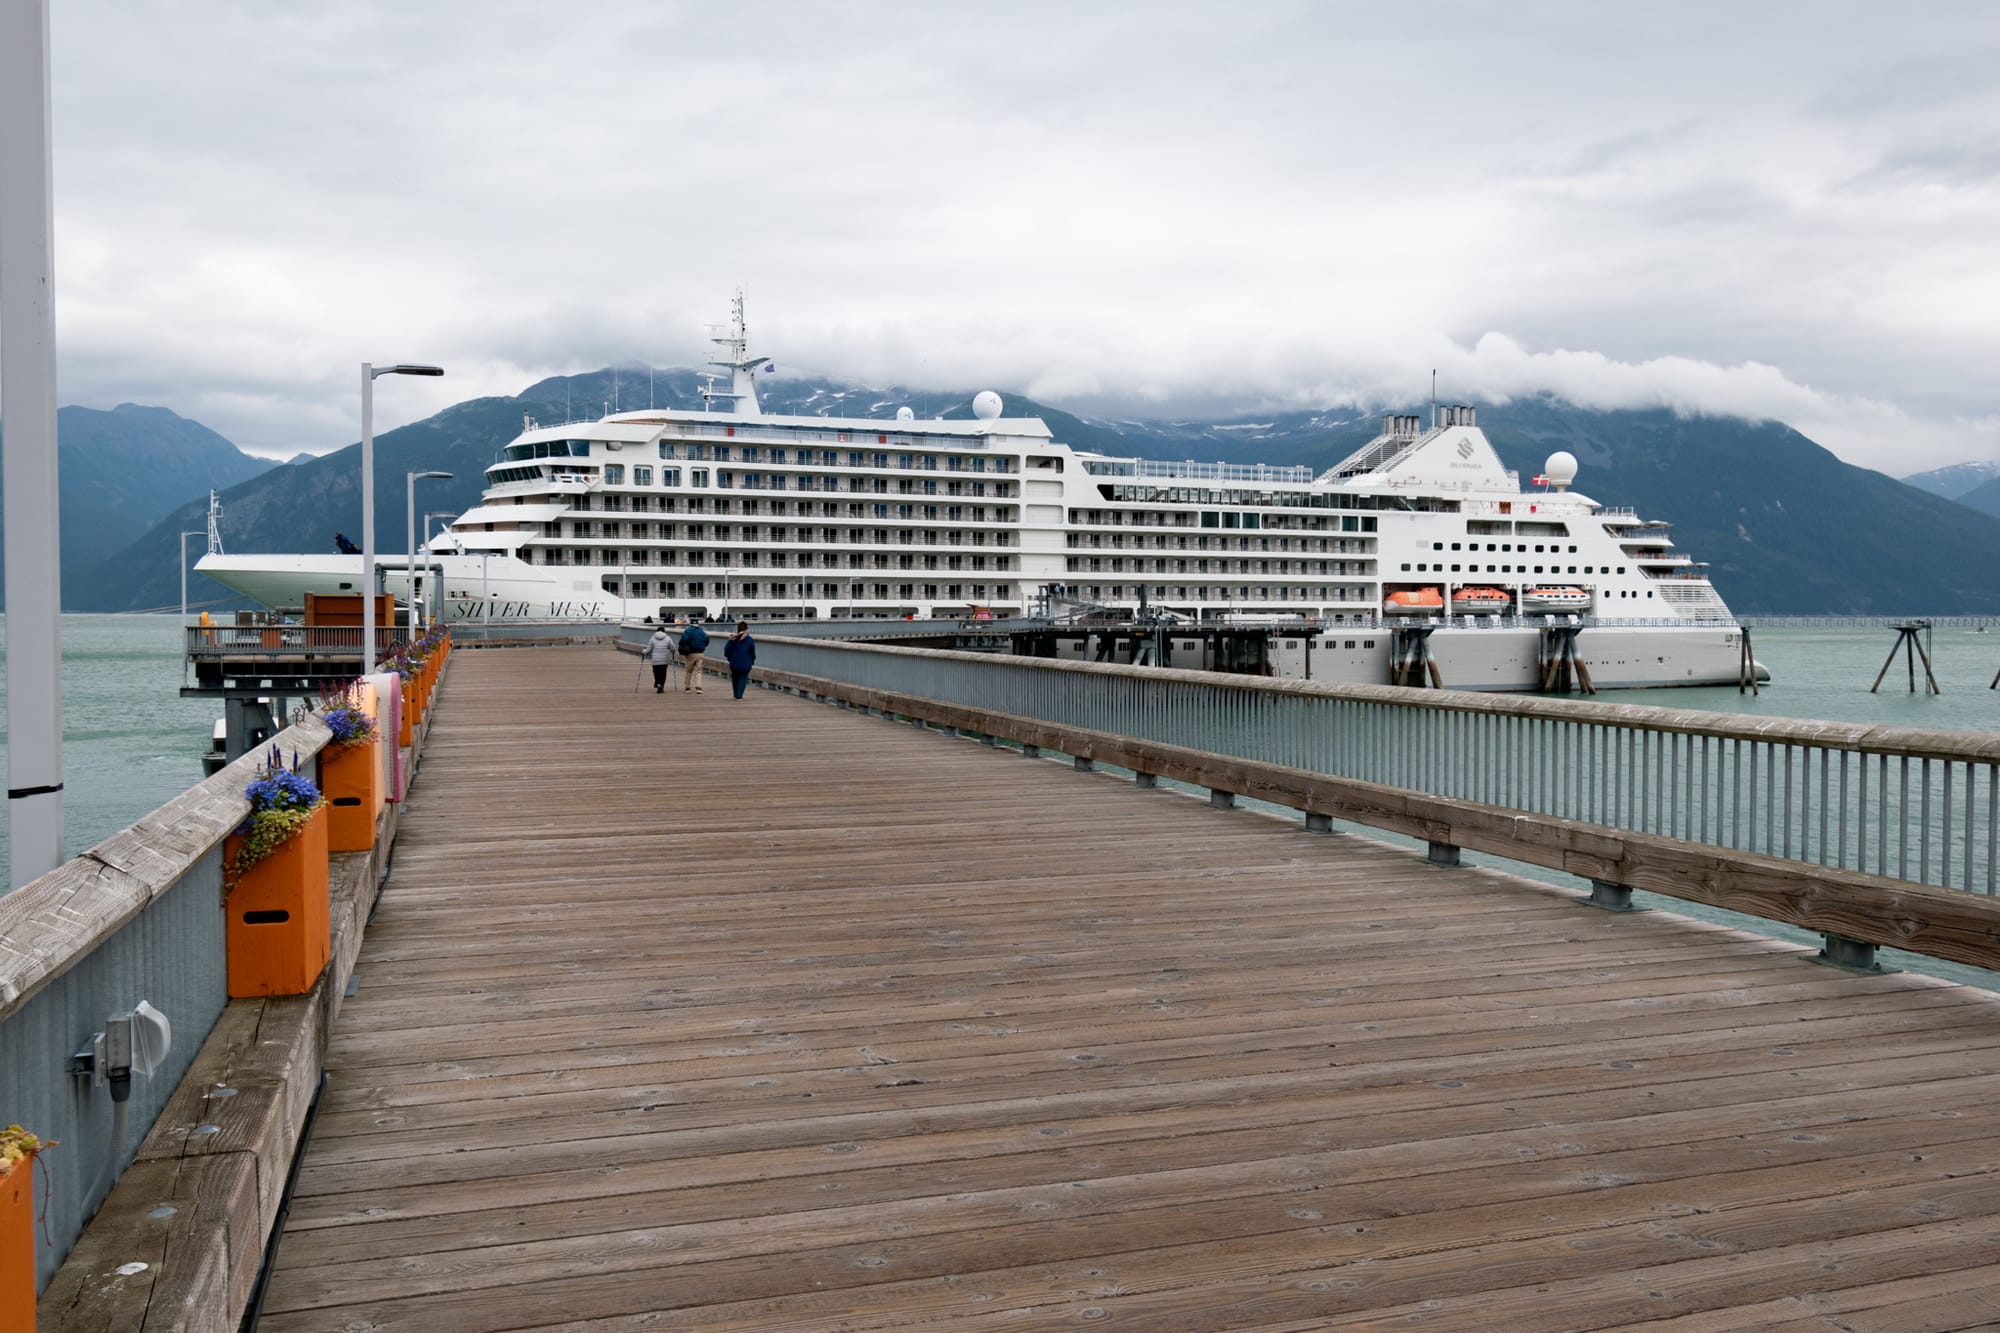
[(1555, 599), (1478, 601), (1414, 602)]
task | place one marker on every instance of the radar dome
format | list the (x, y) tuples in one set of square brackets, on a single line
[(1560, 469), (905, 414), (986, 405)]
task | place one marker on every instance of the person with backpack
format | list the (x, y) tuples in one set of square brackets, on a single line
[(741, 650), (694, 642)]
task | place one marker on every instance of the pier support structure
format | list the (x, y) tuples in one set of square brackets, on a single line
[(1563, 670), (1907, 644), (1410, 659)]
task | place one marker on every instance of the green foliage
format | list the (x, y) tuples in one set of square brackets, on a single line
[(282, 800)]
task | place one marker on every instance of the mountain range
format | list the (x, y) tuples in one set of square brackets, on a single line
[(1976, 485), (122, 472), (1786, 527)]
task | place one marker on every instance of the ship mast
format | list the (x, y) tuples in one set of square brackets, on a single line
[(214, 524), (741, 395)]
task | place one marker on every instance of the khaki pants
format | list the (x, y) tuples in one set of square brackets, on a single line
[(691, 661)]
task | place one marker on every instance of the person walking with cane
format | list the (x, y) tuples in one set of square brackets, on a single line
[(694, 642), (741, 650), (659, 652)]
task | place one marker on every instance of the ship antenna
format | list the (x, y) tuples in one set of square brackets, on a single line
[(214, 524), (1434, 400), (742, 367)]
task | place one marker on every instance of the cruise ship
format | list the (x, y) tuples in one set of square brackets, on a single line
[(728, 512)]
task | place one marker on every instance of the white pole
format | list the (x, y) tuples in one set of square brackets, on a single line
[(410, 544), (367, 519), (28, 398)]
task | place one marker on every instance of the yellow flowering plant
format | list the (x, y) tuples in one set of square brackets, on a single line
[(17, 1143)]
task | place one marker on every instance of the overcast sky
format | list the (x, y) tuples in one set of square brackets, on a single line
[(1175, 209)]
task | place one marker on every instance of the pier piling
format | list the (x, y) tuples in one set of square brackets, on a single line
[(1907, 644), (1563, 669)]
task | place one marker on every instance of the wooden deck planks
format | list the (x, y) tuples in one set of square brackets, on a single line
[(682, 1012)]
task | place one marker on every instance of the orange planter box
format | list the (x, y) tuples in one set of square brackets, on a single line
[(279, 936), (350, 779), (17, 1245)]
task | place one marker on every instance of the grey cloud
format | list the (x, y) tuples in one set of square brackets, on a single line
[(1168, 206)]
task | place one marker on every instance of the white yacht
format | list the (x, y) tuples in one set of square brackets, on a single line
[(729, 512)]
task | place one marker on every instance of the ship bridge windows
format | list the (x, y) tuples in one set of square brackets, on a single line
[(614, 474), (549, 449)]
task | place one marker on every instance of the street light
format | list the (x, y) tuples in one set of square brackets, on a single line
[(368, 375), (436, 513), (410, 533)]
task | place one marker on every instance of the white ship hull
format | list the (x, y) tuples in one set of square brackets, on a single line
[(1488, 659)]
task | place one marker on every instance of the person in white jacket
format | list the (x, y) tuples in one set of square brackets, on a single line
[(660, 652)]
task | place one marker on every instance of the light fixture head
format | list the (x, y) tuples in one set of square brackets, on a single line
[(377, 372)]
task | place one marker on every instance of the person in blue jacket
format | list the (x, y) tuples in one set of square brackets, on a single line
[(741, 650), (694, 642)]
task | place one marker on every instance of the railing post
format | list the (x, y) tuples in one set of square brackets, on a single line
[(1145, 780), (1220, 799), (1848, 955), (1085, 765), (1611, 897), (1031, 752), (1442, 854), (1318, 823)]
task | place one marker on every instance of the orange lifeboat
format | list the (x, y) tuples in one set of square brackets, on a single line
[(1413, 602), (1478, 601)]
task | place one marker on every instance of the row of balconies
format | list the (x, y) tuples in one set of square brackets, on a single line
[(1310, 568), (615, 559)]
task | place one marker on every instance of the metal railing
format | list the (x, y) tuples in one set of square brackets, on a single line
[(137, 917), (281, 640), (1899, 803)]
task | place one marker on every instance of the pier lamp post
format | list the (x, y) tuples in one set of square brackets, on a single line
[(369, 373), (410, 480)]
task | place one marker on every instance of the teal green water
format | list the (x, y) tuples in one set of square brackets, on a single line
[(131, 743)]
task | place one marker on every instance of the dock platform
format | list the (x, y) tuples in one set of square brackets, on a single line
[(680, 1012)]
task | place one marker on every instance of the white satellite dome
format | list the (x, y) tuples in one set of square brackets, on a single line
[(1560, 469), (986, 405), (905, 414)]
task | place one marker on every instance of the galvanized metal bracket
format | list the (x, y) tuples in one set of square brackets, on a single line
[(1318, 823), (1856, 956), (1610, 897), (1145, 779), (1442, 854), (1221, 800)]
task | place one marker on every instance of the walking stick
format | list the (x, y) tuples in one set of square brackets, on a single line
[(642, 673)]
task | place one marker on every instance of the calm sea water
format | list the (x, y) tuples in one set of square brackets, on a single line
[(131, 743)]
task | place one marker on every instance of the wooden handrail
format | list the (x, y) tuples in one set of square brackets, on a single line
[(1940, 923)]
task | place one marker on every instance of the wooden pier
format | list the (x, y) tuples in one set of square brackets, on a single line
[(682, 1012)]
